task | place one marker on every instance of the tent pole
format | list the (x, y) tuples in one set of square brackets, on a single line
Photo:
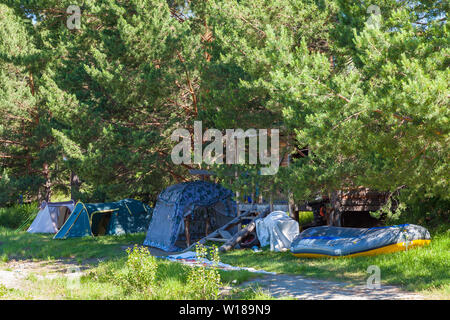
[(186, 231)]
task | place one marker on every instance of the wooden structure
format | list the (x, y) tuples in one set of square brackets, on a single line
[(239, 236), (359, 201), (222, 234)]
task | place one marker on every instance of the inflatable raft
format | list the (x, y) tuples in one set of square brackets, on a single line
[(329, 241)]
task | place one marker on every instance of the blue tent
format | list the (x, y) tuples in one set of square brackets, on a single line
[(114, 218), (179, 201)]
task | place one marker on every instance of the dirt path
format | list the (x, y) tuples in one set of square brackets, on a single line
[(302, 288), (14, 273)]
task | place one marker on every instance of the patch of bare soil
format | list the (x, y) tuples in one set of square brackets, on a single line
[(13, 274)]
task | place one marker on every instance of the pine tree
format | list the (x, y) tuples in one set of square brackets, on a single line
[(366, 91), (116, 88), (22, 134)]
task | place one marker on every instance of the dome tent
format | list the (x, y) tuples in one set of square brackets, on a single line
[(51, 216), (113, 218), (181, 200)]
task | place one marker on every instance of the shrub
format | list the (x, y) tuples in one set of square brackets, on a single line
[(430, 212), (205, 282), (140, 271), (19, 215), (305, 217), (3, 290)]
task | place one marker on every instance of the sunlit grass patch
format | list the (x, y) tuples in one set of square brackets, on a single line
[(255, 292), (416, 269), (23, 245)]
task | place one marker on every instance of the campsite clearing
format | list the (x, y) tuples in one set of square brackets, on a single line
[(43, 264), (100, 279), (49, 280)]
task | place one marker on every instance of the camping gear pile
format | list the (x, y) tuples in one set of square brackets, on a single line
[(190, 258), (277, 230), (206, 211)]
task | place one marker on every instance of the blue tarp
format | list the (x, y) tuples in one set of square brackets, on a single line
[(179, 201)]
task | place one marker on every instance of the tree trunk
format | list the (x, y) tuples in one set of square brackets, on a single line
[(48, 184), (74, 186)]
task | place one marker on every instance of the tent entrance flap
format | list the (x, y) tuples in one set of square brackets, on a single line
[(63, 215), (101, 228), (100, 221), (202, 221)]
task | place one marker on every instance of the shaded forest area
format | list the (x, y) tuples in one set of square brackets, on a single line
[(89, 111)]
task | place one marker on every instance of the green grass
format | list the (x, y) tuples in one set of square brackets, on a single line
[(425, 268), (171, 279), (251, 293), (421, 269), (103, 282), (23, 245)]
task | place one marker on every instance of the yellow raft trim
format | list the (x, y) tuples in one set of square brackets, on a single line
[(396, 247)]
